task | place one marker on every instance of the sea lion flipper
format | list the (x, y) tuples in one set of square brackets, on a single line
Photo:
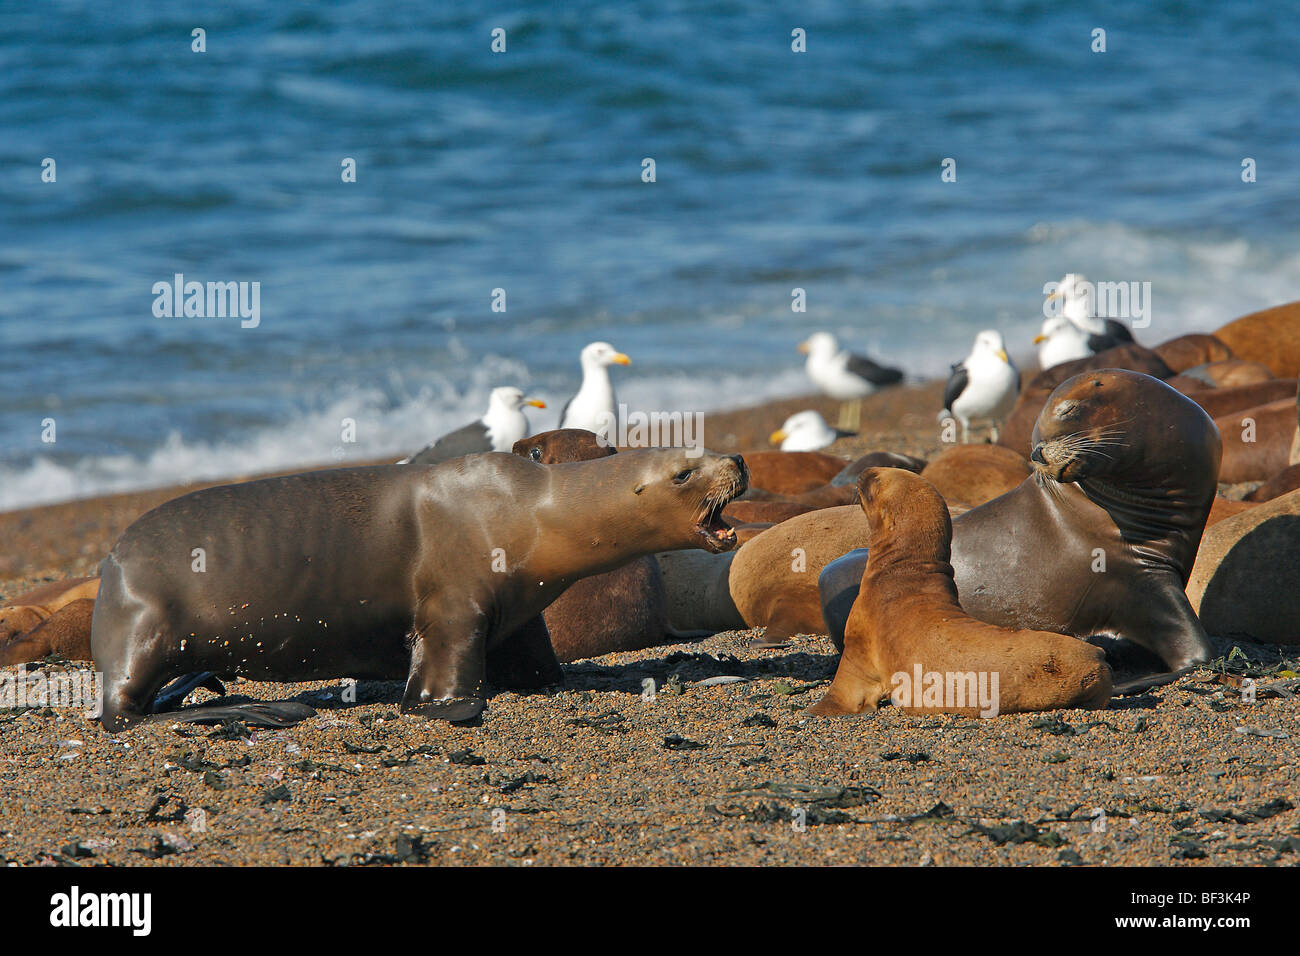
[(1169, 628), (174, 694), (254, 713), (525, 660), (448, 665)]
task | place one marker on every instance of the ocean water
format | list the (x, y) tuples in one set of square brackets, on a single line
[(523, 171)]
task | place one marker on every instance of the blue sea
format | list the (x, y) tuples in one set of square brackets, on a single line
[(522, 171)]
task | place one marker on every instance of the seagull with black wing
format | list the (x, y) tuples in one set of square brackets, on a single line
[(845, 376)]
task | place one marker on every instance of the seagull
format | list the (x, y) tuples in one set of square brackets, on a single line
[(1090, 334), (845, 376), (804, 431), (593, 407), (498, 430), (984, 386)]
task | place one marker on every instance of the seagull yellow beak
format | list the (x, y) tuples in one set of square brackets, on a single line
[(1039, 338), (1054, 295), (535, 402), (1002, 354), (621, 359), (777, 436), (803, 348)]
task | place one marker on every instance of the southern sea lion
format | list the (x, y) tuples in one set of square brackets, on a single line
[(1020, 423), (773, 578), (620, 610), (1188, 351), (51, 619), (848, 475), (437, 574), (1286, 480), (1271, 336), (697, 589), (791, 472), (1257, 441), (1218, 402), (1101, 539), (1228, 373), (973, 474), (1246, 582), (906, 620)]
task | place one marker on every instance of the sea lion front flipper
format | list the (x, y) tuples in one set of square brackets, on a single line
[(525, 660), (448, 665), (174, 694), (1164, 623)]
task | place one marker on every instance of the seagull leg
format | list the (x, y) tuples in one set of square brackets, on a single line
[(965, 431)]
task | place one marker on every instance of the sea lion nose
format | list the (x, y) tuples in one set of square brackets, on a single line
[(1037, 454), (741, 468)]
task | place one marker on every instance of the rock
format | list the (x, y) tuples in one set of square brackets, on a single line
[(1246, 580)]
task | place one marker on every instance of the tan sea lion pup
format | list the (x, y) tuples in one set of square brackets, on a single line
[(906, 621), (51, 619)]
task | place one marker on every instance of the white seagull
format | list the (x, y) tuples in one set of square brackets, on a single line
[(844, 376), (984, 386), (593, 407), (804, 431), (498, 430), (1078, 332)]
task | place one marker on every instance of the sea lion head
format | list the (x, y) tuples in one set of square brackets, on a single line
[(903, 507), (672, 481), (561, 445), (1124, 427)]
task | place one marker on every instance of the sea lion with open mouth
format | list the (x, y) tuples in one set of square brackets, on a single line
[(435, 574), (1102, 537), (906, 619)]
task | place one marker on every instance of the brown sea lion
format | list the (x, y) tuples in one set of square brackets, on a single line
[(1101, 539), (51, 619), (1223, 508), (973, 474), (1229, 373), (697, 590), (436, 574), (1286, 480), (773, 579), (1271, 336), (1246, 583), (1257, 441), (876, 459), (1019, 426), (620, 610), (1189, 351), (1221, 401), (906, 621), (765, 512), (791, 472)]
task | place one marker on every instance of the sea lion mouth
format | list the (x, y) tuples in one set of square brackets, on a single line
[(718, 535)]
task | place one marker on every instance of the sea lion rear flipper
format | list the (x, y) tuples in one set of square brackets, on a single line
[(254, 713)]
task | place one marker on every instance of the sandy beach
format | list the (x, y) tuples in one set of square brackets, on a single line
[(598, 772)]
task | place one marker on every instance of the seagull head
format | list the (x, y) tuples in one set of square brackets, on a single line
[(1075, 294), (511, 399), (803, 431), (602, 355), (821, 345), (989, 342)]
